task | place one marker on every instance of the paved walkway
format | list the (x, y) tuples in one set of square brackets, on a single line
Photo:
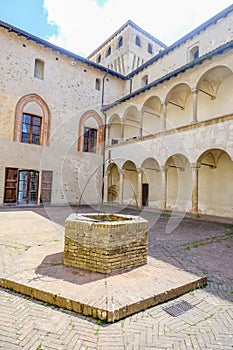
[(189, 244)]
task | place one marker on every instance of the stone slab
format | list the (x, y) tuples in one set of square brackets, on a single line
[(34, 267)]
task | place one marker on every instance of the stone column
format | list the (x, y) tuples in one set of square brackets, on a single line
[(139, 194), (106, 186), (194, 93), (195, 167), (121, 187), (164, 186), (122, 131), (164, 116), (141, 125)]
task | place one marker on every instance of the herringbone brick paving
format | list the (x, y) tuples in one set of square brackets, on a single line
[(193, 244)]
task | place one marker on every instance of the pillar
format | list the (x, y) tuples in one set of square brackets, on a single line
[(121, 186), (122, 130), (164, 120), (194, 93), (164, 186), (141, 125), (195, 167), (106, 186), (139, 194)]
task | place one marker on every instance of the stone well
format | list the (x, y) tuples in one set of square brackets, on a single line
[(105, 242)]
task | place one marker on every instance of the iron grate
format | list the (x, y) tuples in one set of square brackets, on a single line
[(178, 309)]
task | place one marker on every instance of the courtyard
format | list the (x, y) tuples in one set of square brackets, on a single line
[(199, 246)]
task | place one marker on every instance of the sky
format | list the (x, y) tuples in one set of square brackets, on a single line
[(80, 26)]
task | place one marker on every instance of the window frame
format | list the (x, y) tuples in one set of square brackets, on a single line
[(31, 125), (90, 139)]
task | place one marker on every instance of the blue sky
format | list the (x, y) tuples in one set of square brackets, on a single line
[(28, 15), (82, 25)]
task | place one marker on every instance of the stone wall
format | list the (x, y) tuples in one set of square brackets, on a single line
[(118, 242)]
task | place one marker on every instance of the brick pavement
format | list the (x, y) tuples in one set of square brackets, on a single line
[(192, 245)]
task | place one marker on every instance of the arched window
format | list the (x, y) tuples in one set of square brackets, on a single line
[(99, 59), (108, 51), (97, 84), (120, 42), (32, 120), (91, 133), (39, 69), (138, 40), (150, 49), (194, 53), (145, 80)]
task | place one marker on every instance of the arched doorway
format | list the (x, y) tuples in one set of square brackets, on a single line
[(151, 183)]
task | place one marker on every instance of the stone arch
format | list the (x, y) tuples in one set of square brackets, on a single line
[(113, 184), (45, 116), (100, 131), (130, 190), (151, 116), (179, 183), (215, 92), (114, 129), (215, 183), (131, 123), (179, 106), (152, 178)]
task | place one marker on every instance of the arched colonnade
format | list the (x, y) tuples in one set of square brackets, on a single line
[(201, 187), (209, 96)]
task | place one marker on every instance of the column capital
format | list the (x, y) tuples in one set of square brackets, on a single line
[(194, 91), (164, 168), (195, 165), (139, 170)]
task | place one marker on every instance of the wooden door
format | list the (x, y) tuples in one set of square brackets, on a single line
[(11, 182), (46, 186)]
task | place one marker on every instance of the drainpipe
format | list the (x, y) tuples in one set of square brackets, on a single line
[(105, 123), (130, 85)]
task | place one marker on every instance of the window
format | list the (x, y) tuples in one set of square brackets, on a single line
[(150, 50), (90, 135), (108, 51), (194, 53), (97, 84), (39, 69), (99, 59), (32, 120), (31, 127), (145, 80), (120, 42), (138, 41)]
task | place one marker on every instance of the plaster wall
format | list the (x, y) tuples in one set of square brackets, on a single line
[(215, 35)]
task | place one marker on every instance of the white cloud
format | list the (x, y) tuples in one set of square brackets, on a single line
[(83, 25)]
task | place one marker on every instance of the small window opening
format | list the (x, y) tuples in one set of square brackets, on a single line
[(120, 42), (39, 69), (194, 53), (108, 51), (97, 84), (138, 41), (145, 80), (99, 59), (150, 50)]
